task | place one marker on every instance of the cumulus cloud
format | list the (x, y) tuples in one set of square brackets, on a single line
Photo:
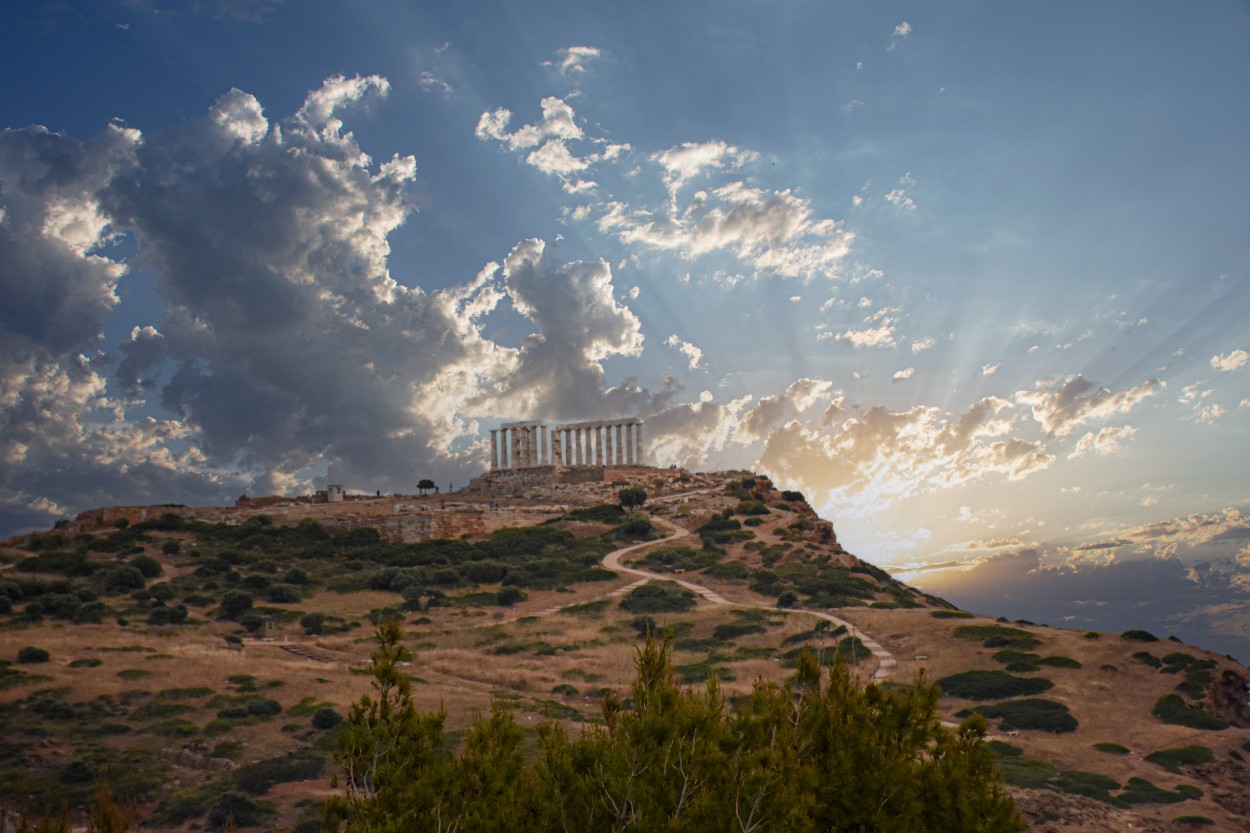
[(865, 462), (902, 30), (290, 347), (923, 344), (1105, 441), (1062, 407), (799, 397), (693, 354), (990, 369), (1228, 362), (904, 374)]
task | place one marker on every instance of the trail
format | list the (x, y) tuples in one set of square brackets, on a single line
[(612, 561)]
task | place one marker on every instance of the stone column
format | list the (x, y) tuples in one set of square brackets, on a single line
[(557, 447), (642, 457), (515, 448), (494, 449), (590, 449), (629, 444), (616, 449), (599, 445), (577, 443), (544, 446)]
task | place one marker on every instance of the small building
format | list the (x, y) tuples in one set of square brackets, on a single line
[(334, 494)]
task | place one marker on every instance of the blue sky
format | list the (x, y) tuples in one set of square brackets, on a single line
[(973, 276)]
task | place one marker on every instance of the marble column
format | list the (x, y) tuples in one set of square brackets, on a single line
[(515, 448), (599, 445), (544, 446), (638, 443), (629, 444), (494, 449), (557, 447), (617, 449), (577, 439)]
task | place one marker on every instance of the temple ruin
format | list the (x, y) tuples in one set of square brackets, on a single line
[(524, 445)]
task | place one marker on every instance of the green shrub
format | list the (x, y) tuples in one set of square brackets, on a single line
[(147, 565), (31, 655), (793, 497), (951, 614), (1089, 784), (257, 778), (751, 507), (658, 597), (1141, 791), (1025, 773), (1112, 748), (1193, 821), (593, 609), (728, 571), (1139, 636), (132, 674), (609, 513), (632, 497), (1147, 658), (853, 650), (991, 685), (565, 690), (1059, 662), (996, 636), (508, 596), (1032, 713), (733, 630), (239, 810), (251, 708), (235, 603), (87, 662), (1173, 759), (1170, 708)]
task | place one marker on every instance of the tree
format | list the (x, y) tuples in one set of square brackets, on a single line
[(426, 485), (632, 497), (813, 754)]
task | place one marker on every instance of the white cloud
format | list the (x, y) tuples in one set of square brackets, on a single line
[(1105, 441), (1228, 362), (430, 82), (574, 60), (902, 30), (693, 354), (558, 122), (692, 159), (1060, 408), (923, 344), (905, 373)]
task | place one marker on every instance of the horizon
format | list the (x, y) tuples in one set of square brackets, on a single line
[(972, 279)]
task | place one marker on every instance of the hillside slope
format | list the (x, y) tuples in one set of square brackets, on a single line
[(198, 659)]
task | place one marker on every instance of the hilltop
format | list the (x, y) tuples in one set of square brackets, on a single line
[(200, 658)]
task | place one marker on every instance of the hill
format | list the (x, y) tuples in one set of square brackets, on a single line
[(199, 659)]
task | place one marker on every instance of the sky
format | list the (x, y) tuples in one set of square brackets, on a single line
[(972, 276)]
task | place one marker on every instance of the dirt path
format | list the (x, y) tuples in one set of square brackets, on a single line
[(612, 561)]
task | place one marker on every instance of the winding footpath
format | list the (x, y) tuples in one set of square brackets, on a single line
[(612, 561)]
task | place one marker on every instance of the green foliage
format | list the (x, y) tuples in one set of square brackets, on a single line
[(751, 507), (236, 809), (635, 528), (259, 707), (1020, 661), (1089, 784), (951, 614), (31, 655), (733, 630), (1173, 759), (1112, 748), (608, 513), (658, 597), (632, 497), (1193, 821), (256, 778), (991, 685), (996, 636), (814, 755), (1030, 713), (87, 662), (1139, 636), (1141, 791), (1170, 708), (1147, 658), (235, 603), (793, 497), (675, 559), (593, 609), (508, 596), (146, 564), (734, 571)]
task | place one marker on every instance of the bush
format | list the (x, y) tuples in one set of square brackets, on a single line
[(996, 636), (508, 596), (1139, 636), (951, 614), (171, 547), (251, 708), (313, 623), (632, 497), (793, 497), (258, 777), (991, 685), (1141, 791), (1112, 748), (168, 615), (728, 571), (1089, 784), (1170, 708), (1032, 713), (235, 602), (239, 810), (31, 655), (87, 662), (1193, 821), (733, 630), (658, 597), (751, 507), (1147, 658), (326, 718), (1173, 759), (147, 565), (788, 599)]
